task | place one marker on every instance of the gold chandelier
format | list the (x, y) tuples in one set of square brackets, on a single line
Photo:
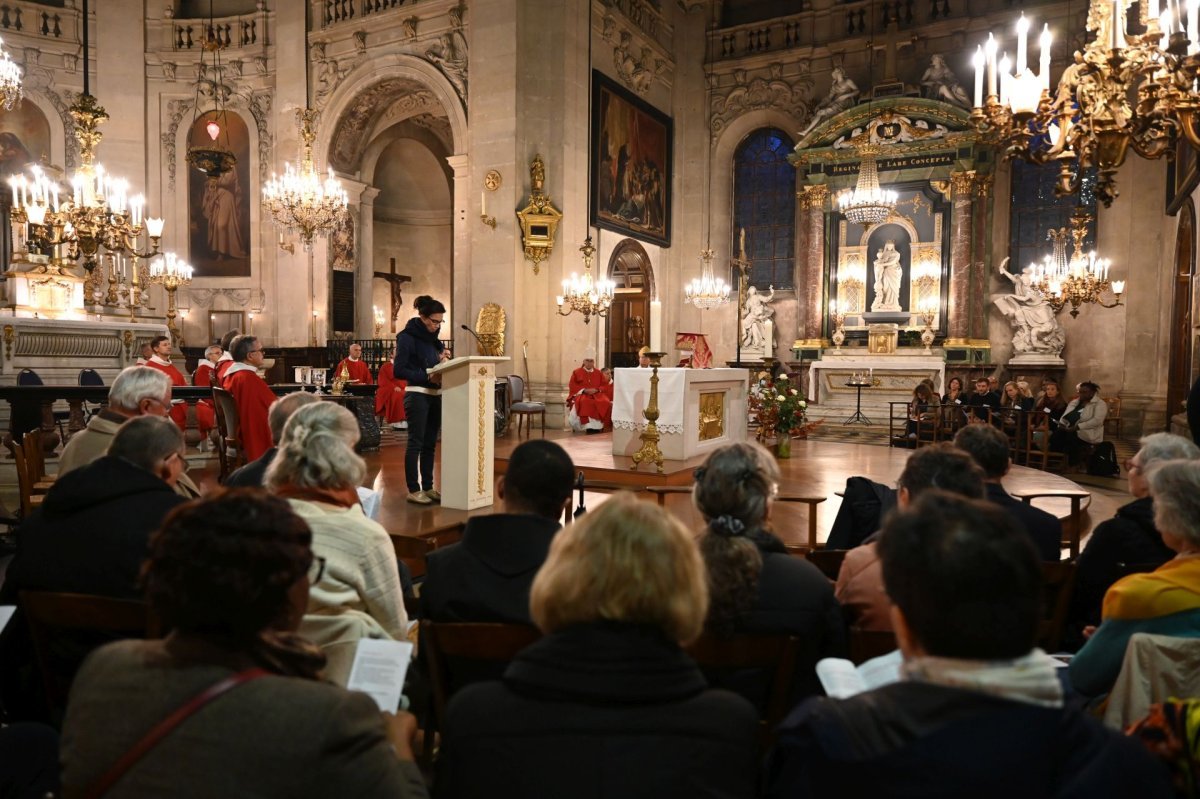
[(10, 80), (1078, 280), (584, 294), (867, 204), (300, 201), (1123, 91), (706, 292)]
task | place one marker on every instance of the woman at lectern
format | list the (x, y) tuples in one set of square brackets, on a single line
[(418, 349)]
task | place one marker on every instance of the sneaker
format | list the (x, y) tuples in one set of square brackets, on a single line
[(434, 494), (400, 426), (420, 497)]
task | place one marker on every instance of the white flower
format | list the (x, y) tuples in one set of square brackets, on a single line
[(803, 404), (779, 397), (793, 392)]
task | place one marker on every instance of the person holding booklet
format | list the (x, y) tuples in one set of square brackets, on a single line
[(978, 711), (418, 350)]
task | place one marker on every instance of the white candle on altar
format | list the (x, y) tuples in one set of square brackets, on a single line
[(1152, 9), (1022, 34), (656, 326)]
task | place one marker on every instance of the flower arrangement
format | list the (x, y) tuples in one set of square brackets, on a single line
[(780, 408)]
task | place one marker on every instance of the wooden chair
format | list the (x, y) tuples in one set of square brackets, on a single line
[(28, 500), (1112, 420), (775, 654), (1037, 442), (35, 462), (521, 408), (53, 617), (229, 430), (1058, 580), (1073, 527), (412, 549), (867, 644), (829, 561)]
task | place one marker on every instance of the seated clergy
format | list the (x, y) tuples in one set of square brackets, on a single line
[(486, 577), (160, 359), (254, 399), (591, 409), (389, 397), (226, 359), (978, 711), (355, 367), (137, 391), (253, 474)]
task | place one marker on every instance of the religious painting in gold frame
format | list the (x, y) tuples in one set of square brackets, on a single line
[(712, 415), (219, 239)]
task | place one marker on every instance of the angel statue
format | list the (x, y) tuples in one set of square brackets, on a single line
[(1035, 327), (843, 93), (755, 315), (941, 83)]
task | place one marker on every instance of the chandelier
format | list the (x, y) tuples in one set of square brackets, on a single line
[(214, 157), (10, 80), (300, 201), (867, 204), (583, 294), (1080, 279), (706, 292), (1123, 91), (170, 272)]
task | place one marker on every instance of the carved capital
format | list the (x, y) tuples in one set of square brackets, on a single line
[(962, 184), (813, 198)]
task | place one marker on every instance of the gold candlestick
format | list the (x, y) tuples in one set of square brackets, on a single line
[(649, 450)]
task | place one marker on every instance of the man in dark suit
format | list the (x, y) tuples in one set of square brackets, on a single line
[(486, 577), (988, 447), (983, 398)]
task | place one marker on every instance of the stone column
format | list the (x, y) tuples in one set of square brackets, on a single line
[(364, 266), (810, 274), (461, 310), (979, 270), (962, 188)]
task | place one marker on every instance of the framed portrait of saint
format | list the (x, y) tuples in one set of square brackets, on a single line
[(219, 208), (630, 164)]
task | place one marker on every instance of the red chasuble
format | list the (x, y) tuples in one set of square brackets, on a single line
[(205, 418), (205, 376), (389, 397), (359, 372), (591, 406), (253, 399)]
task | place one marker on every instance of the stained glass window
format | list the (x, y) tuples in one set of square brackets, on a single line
[(764, 205), (1036, 210)]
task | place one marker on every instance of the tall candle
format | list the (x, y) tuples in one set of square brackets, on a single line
[(483, 202), (989, 50), (1193, 30), (1044, 53), (1152, 9), (1022, 34), (1118, 25), (978, 62), (656, 326)]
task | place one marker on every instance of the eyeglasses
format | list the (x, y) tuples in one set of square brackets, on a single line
[(251, 352), (437, 322), (316, 570)]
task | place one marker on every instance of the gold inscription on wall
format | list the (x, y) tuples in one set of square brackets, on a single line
[(712, 415)]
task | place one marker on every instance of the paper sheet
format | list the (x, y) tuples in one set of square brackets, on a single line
[(380, 666), (6, 614)]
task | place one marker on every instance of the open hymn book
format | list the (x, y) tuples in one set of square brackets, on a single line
[(841, 679)]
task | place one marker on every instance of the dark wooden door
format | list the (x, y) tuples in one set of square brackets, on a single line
[(629, 318), (1179, 378)]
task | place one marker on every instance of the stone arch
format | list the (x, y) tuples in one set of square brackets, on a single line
[(62, 141)]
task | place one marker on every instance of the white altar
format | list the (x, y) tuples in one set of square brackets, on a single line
[(893, 377), (699, 409)]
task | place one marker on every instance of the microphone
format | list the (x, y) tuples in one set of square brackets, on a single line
[(474, 335)]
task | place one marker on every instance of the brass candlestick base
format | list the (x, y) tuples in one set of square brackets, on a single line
[(649, 450)]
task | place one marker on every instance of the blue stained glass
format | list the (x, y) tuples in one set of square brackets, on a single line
[(764, 204), (1035, 210)]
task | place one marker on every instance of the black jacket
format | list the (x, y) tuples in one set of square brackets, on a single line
[(1193, 410), (917, 739), (486, 577), (254, 473), (417, 350), (864, 503), (598, 711), (1043, 528), (980, 403), (90, 535)]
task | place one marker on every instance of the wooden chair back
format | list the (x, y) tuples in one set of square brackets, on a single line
[(51, 616), (1037, 441), (774, 654), (229, 427), (829, 561), (1073, 527), (1058, 581), (28, 500), (35, 462), (867, 644), (443, 643)]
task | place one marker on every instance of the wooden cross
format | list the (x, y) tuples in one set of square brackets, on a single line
[(892, 42), (395, 281)]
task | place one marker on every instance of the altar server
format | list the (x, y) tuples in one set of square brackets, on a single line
[(160, 359)]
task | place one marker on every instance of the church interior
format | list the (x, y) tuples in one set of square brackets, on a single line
[(641, 233)]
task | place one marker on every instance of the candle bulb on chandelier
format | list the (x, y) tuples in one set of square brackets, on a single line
[(1118, 25), (1193, 29), (1152, 9), (1044, 56), (1005, 78), (1022, 49), (977, 61), (989, 51)]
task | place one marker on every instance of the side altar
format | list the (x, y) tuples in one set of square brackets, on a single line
[(700, 410), (892, 378)]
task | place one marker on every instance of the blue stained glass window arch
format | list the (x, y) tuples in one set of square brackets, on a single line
[(1035, 210), (764, 205)]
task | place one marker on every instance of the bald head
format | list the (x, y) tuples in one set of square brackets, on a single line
[(283, 408)]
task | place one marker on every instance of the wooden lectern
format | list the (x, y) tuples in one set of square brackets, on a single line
[(468, 430)]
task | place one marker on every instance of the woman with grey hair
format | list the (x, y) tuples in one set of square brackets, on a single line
[(1165, 601), (1130, 538), (359, 593)]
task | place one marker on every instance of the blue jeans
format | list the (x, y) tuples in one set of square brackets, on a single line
[(424, 414)]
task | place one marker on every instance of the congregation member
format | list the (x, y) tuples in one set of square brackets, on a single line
[(755, 586), (920, 409), (978, 711), (487, 576), (1165, 601), (226, 359), (606, 704), (145, 353), (251, 394), (988, 447), (1051, 400), (983, 399), (419, 349), (1082, 423), (359, 595), (136, 391), (254, 473), (1130, 537), (229, 577), (355, 367), (389, 396), (590, 407), (860, 588), (160, 359), (954, 392)]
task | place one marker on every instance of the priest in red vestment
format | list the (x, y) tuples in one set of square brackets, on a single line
[(160, 359), (389, 397), (251, 394), (354, 366), (591, 409), (205, 376)]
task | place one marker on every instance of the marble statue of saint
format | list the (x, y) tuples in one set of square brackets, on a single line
[(843, 93), (1035, 327), (940, 83), (888, 274), (755, 315)]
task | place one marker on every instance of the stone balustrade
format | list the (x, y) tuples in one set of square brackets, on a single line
[(37, 20)]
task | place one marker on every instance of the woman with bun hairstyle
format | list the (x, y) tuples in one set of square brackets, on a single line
[(419, 349), (754, 585)]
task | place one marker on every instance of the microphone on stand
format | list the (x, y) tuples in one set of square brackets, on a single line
[(474, 335)]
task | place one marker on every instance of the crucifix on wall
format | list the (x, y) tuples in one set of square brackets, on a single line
[(395, 281), (890, 86)]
